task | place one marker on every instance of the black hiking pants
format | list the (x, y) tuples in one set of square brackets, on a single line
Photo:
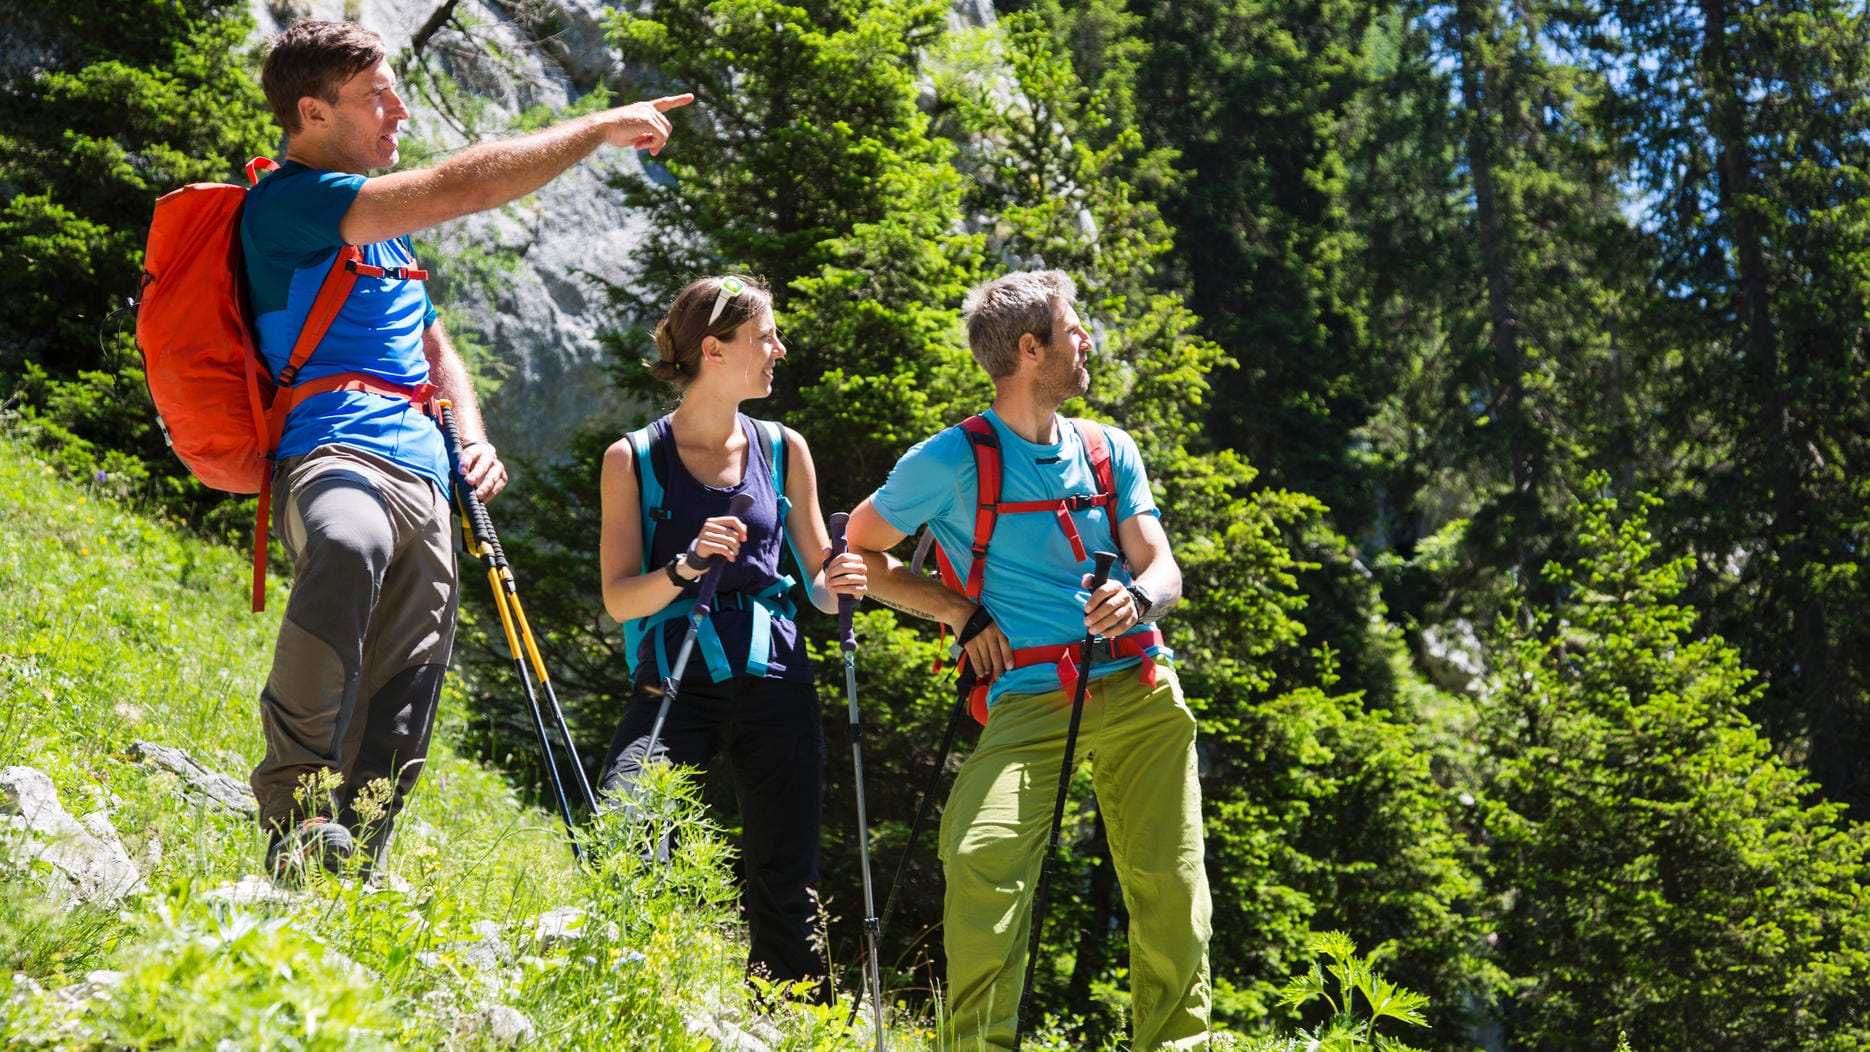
[(771, 734)]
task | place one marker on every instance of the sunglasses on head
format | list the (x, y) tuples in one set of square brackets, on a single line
[(731, 288)]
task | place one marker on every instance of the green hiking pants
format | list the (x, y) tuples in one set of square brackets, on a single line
[(1141, 743)]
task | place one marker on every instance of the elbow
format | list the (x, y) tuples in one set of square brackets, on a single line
[(614, 605)]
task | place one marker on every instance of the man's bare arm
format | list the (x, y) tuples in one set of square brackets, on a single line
[(479, 460), (1112, 610), (895, 585), (491, 174)]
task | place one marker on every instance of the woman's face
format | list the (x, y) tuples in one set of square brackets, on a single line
[(752, 353)]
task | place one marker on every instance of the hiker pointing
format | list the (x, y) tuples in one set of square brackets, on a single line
[(361, 481), (667, 493), (1019, 498)]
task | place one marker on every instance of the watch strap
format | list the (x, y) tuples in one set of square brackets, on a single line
[(675, 578)]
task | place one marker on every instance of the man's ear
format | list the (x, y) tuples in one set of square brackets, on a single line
[(1029, 345), (312, 111)]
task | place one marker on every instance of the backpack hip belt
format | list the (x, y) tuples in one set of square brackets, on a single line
[(767, 605), (1137, 643), (1064, 656)]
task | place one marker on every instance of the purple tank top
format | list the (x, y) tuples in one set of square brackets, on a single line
[(690, 502)]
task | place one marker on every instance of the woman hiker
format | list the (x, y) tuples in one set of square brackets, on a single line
[(746, 693)]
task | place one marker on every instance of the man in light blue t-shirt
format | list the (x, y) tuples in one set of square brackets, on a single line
[(362, 478), (1031, 607)]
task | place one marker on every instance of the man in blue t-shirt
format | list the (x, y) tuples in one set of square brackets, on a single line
[(1034, 606), (362, 477)]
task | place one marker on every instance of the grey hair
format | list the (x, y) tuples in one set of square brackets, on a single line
[(1000, 311)]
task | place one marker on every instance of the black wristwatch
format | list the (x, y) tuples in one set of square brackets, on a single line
[(681, 559), (1144, 601)]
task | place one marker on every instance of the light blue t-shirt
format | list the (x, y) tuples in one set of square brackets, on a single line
[(289, 233), (1033, 584)]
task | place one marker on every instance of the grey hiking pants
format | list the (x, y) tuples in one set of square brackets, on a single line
[(358, 666)]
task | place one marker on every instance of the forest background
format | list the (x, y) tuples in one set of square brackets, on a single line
[(1500, 366)]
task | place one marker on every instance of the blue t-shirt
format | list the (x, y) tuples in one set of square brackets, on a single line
[(289, 233), (1033, 584)]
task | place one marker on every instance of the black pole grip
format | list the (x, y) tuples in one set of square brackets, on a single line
[(710, 581), (847, 605), (476, 512), (1105, 560)]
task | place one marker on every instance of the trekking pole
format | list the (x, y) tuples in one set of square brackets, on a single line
[(1104, 562), (711, 580), (478, 530), (847, 606), (922, 814), (928, 789)]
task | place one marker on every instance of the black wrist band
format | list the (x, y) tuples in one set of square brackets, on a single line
[(677, 579), (975, 626), (1144, 601)]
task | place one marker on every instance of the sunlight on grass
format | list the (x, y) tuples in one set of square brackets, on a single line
[(115, 629)]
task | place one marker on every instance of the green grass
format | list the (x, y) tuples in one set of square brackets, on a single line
[(115, 627)]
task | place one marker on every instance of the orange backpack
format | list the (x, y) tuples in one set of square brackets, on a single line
[(219, 407)]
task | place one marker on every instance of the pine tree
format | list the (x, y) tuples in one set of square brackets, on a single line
[(1660, 870), (105, 107), (1741, 128)]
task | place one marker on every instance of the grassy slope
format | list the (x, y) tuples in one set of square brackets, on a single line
[(114, 628)]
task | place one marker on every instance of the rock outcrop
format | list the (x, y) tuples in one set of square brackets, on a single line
[(80, 862)]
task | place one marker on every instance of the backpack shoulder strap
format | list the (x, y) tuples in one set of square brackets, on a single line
[(649, 467), (984, 442), (1097, 448), (778, 453), (774, 435), (647, 451)]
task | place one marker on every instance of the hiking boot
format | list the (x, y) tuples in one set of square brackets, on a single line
[(291, 853)]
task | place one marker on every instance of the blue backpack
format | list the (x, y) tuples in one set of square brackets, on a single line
[(766, 604)]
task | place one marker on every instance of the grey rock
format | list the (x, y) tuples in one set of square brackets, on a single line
[(1453, 656), (250, 890), (558, 926), (726, 1034), (96, 986), (86, 865), (488, 954), (210, 787), (504, 1024)]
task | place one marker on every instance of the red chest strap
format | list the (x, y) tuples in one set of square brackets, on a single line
[(988, 469)]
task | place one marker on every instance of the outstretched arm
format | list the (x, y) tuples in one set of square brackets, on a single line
[(897, 586), (491, 174)]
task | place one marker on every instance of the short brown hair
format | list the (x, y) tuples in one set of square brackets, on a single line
[(679, 334), (1000, 311), (314, 59)]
